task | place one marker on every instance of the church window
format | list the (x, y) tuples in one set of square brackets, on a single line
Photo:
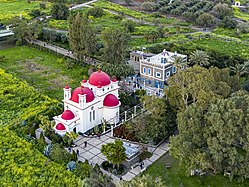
[(90, 116), (94, 115)]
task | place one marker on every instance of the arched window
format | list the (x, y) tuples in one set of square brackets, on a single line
[(94, 115), (90, 116)]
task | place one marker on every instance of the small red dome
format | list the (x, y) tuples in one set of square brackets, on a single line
[(82, 90), (99, 76), (67, 87), (114, 80), (84, 81), (111, 100), (67, 115), (60, 127)]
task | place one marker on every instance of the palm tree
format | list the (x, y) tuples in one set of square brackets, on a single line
[(179, 62), (199, 57), (240, 69)]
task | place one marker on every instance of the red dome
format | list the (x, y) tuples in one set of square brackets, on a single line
[(60, 127), (67, 115), (111, 100), (82, 90), (84, 81), (99, 76), (67, 87)]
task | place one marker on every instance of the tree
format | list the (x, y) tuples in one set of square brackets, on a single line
[(25, 31), (206, 19), (74, 156), (179, 62), (199, 57), (228, 22), (82, 38), (143, 181), (115, 45), (95, 12), (199, 85), (222, 10), (215, 138), (59, 11), (114, 152), (239, 70)]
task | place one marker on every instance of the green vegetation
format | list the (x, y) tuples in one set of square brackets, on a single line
[(135, 14), (10, 9), (241, 15), (23, 165), (46, 72), (176, 175), (20, 102)]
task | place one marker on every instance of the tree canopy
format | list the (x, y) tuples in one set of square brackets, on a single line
[(215, 138)]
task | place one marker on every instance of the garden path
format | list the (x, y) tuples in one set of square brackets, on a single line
[(92, 153)]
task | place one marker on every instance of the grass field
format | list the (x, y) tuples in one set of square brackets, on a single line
[(42, 70), (10, 9), (174, 176)]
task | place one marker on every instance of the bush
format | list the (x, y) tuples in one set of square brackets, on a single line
[(59, 154), (35, 13), (95, 12)]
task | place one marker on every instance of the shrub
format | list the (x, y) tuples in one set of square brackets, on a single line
[(95, 12), (59, 154)]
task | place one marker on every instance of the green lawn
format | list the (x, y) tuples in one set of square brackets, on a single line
[(174, 176), (12, 8), (42, 70)]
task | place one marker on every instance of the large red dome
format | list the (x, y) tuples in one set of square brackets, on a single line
[(99, 76), (67, 115), (111, 100), (60, 127), (82, 90)]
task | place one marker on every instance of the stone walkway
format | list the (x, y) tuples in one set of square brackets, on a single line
[(92, 153)]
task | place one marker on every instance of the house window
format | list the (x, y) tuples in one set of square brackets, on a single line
[(94, 115), (174, 69), (144, 70), (158, 74), (168, 74), (149, 72), (90, 116)]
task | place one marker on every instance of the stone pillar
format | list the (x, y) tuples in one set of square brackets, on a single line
[(135, 110), (144, 83), (132, 116), (125, 115)]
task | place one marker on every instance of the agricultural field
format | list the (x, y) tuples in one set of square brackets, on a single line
[(22, 164), (13, 8), (46, 72), (176, 175), (138, 15), (241, 15)]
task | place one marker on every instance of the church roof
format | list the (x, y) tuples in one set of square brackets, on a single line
[(99, 76), (67, 115), (60, 127), (82, 90), (110, 100)]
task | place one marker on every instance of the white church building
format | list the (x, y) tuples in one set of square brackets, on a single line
[(89, 105)]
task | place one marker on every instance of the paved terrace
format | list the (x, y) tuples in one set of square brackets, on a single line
[(92, 153)]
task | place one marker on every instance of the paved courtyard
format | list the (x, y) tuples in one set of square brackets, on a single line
[(92, 153)]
